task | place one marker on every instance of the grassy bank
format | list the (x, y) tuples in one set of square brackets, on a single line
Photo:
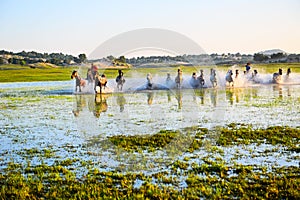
[(44, 72)]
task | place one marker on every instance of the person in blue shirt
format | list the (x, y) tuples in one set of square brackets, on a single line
[(248, 67)]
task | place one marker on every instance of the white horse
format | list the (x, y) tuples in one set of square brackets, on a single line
[(255, 77), (213, 78), (149, 81), (277, 77), (168, 80), (120, 80), (288, 72), (229, 78), (178, 78), (201, 78), (194, 82)]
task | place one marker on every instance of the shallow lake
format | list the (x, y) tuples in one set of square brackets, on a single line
[(47, 115)]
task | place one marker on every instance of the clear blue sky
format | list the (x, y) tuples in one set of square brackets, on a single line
[(221, 26)]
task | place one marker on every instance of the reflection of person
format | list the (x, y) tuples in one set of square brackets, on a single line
[(121, 101), (100, 105)]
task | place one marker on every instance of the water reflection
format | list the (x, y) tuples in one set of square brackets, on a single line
[(201, 94), (93, 103), (80, 104), (215, 97), (121, 101), (150, 96), (100, 104), (178, 96)]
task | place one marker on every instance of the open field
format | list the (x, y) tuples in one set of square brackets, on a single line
[(18, 73)]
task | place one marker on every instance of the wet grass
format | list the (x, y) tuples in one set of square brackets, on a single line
[(189, 136), (220, 182), (244, 134), (208, 177)]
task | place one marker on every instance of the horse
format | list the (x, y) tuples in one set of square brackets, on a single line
[(101, 82), (149, 81), (79, 81), (228, 77), (288, 72), (120, 80), (254, 77), (201, 78), (277, 77), (168, 80), (89, 76), (178, 78), (213, 78), (236, 73), (194, 82)]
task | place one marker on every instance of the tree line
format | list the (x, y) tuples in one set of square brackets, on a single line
[(23, 58)]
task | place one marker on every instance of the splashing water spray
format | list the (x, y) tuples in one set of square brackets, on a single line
[(153, 118)]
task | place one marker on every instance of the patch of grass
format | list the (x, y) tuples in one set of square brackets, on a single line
[(243, 134), (18, 73), (58, 182)]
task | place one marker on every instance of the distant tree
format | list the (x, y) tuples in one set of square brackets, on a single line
[(111, 58), (260, 57), (82, 57), (278, 55), (55, 61), (15, 61), (22, 62), (1, 61), (238, 55), (122, 59)]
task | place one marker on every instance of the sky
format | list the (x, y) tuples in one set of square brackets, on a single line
[(218, 26)]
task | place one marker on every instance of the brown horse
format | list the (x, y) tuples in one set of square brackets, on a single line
[(79, 81)]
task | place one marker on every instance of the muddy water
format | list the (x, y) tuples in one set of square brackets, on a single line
[(48, 116)]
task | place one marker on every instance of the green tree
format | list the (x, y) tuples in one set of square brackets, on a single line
[(122, 59), (260, 57), (1, 61), (22, 62), (82, 57), (111, 58)]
